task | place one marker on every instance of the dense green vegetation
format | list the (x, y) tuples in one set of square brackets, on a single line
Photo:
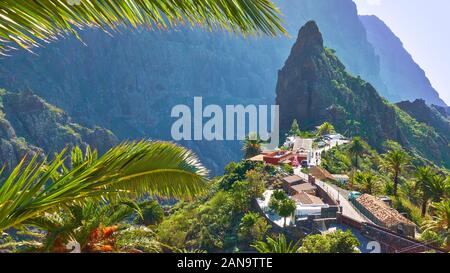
[(315, 88), (411, 182), (337, 242)]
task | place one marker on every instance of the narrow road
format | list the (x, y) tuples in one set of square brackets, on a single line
[(348, 209)]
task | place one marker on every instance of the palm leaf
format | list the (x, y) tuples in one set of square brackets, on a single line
[(132, 168), (30, 23)]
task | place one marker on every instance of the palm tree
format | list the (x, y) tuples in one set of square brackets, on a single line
[(286, 208), (423, 181), (295, 129), (28, 24), (357, 149), (130, 169), (368, 182), (353, 127), (441, 220), (432, 186), (252, 146), (278, 245), (90, 224), (325, 129), (395, 161)]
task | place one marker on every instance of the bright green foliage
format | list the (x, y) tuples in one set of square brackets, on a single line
[(336, 160), (395, 161), (252, 227), (138, 238), (337, 242), (152, 213), (277, 197), (216, 223), (295, 129), (433, 238), (134, 168), (28, 23), (287, 168), (325, 129), (237, 172), (281, 204), (278, 245), (440, 223), (78, 221), (204, 226), (286, 208), (367, 182), (251, 188), (356, 149), (252, 146)]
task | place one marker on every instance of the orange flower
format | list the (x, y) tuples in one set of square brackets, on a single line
[(106, 248), (108, 231)]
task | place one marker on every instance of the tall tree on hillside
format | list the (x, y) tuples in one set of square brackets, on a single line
[(394, 162), (353, 128), (252, 146), (356, 149), (295, 129), (29, 24), (367, 182), (424, 177), (325, 129)]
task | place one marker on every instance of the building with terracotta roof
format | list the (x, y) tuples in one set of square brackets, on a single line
[(321, 174), (383, 215), (292, 180), (304, 187), (302, 198)]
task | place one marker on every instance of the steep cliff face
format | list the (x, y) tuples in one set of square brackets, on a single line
[(429, 115), (342, 30), (130, 82), (395, 61), (313, 87), (29, 125)]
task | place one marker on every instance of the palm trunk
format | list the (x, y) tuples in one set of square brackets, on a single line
[(395, 183), (424, 207)]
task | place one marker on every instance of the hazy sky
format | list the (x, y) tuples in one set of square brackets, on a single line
[(424, 28)]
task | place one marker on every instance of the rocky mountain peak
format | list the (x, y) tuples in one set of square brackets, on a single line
[(309, 42), (314, 87)]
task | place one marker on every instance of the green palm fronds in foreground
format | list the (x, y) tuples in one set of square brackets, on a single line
[(133, 168), (28, 23)]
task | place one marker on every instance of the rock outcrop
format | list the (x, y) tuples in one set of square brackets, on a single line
[(314, 87), (430, 115), (29, 125), (130, 82)]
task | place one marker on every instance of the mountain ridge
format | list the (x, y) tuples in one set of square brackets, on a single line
[(396, 60), (314, 87), (30, 126)]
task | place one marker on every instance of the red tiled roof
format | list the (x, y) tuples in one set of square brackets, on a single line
[(321, 173), (381, 211)]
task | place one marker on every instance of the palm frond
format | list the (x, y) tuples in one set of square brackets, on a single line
[(30, 23), (132, 168)]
